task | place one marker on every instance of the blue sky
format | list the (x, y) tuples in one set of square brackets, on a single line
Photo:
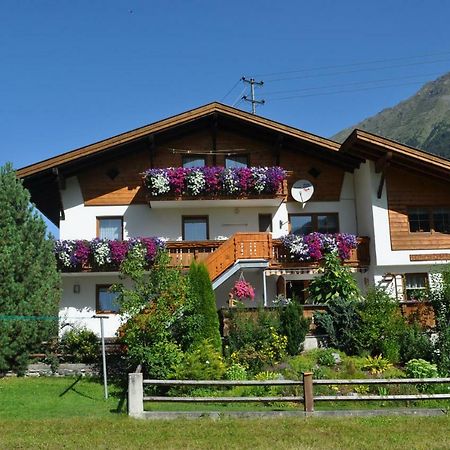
[(77, 72)]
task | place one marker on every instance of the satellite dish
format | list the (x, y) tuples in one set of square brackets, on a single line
[(302, 191)]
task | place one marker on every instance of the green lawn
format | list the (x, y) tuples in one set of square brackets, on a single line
[(56, 413)]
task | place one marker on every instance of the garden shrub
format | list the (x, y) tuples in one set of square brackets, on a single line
[(80, 345), (294, 326), (415, 343), (326, 357), (235, 372), (419, 368), (440, 300), (377, 365), (341, 323), (381, 325), (155, 306), (254, 340), (336, 282), (202, 363), (204, 304)]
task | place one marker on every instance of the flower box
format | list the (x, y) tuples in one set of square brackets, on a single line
[(214, 182)]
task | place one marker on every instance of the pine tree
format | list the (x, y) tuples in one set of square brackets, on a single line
[(29, 281), (205, 305)]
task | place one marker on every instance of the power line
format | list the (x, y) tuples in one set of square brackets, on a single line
[(368, 69), (348, 90), (231, 90), (356, 64), (356, 83), (239, 97)]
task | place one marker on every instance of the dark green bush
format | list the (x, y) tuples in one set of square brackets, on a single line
[(80, 345), (294, 326), (341, 323), (415, 343), (205, 308)]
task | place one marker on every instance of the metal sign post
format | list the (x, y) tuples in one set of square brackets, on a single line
[(102, 334)]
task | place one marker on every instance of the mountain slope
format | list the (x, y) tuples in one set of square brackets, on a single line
[(421, 121)]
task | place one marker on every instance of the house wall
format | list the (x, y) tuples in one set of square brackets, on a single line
[(78, 309), (141, 220)]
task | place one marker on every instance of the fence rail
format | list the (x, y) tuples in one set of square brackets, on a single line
[(136, 397)]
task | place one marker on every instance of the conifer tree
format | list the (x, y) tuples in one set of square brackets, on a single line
[(29, 281), (205, 305)]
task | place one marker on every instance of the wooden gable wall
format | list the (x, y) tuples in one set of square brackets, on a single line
[(409, 189), (126, 188)]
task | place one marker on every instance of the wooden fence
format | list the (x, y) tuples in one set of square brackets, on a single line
[(136, 397)]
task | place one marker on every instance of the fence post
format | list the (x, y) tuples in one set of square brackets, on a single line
[(308, 395), (135, 394)]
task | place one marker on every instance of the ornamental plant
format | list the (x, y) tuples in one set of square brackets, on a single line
[(314, 246), (219, 181), (29, 280), (104, 253), (243, 290)]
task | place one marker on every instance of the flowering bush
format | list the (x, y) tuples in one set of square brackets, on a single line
[(103, 253), (243, 290), (197, 181), (313, 246)]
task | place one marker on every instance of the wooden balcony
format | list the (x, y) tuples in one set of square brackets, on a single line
[(220, 255)]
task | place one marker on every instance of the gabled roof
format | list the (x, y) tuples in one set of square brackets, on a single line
[(171, 122), (365, 145)]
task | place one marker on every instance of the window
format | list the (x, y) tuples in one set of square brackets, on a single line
[(307, 223), (106, 300), (195, 228), (194, 161), (236, 161), (110, 228), (425, 220), (265, 222), (416, 286)]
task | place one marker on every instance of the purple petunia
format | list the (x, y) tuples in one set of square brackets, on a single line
[(103, 253), (216, 181), (313, 246)]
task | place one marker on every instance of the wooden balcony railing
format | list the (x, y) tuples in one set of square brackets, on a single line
[(182, 253), (218, 256), (239, 246)]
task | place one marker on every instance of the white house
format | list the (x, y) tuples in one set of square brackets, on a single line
[(394, 198)]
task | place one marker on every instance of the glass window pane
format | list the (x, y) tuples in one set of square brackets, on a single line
[(301, 224), (195, 229), (419, 220), (416, 280), (441, 220), (107, 300), (110, 228), (327, 223), (236, 161), (265, 222), (193, 161)]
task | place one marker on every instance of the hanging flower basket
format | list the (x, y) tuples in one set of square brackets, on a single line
[(243, 290)]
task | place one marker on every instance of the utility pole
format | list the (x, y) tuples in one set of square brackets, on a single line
[(252, 82)]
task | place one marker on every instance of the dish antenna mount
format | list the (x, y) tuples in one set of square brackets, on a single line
[(302, 191)]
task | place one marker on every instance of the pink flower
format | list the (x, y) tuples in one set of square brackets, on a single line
[(243, 290)]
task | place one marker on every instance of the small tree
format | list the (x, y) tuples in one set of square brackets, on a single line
[(29, 280), (336, 282), (294, 326), (204, 302)]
